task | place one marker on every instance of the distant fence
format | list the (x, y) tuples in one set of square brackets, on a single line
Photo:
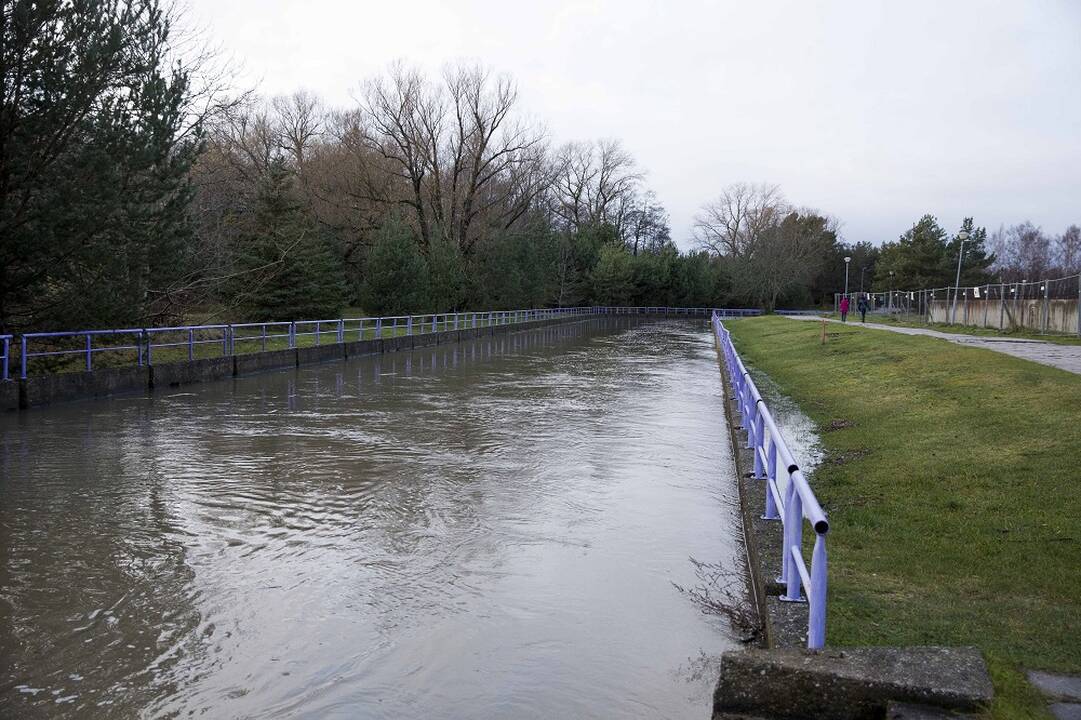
[(76, 350), (791, 504), (1046, 306)]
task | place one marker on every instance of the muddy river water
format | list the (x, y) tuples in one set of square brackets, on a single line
[(494, 529)]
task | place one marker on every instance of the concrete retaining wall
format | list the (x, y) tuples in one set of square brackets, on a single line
[(193, 371), (46, 389), (269, 360), (1062, 314), (9, 395)]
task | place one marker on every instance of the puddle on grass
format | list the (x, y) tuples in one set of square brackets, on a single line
[(798, 430)]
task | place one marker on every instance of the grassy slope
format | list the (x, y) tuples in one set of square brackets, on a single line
[(955, 498)]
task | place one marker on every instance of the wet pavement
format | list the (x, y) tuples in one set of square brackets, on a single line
[(491, 529)]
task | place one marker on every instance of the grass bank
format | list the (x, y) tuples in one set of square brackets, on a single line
[(953, 493)]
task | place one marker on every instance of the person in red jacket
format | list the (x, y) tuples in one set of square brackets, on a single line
[(844, 309)]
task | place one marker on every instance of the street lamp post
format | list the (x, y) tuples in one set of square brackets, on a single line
[(847, 261), (962, 236), (862, 271), (890, 303)]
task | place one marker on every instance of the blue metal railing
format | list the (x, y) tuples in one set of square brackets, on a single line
[(5, 345), (250, 337), (792, 504)]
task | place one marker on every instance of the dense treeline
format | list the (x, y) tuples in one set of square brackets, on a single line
[(132, 191), (137, 187)]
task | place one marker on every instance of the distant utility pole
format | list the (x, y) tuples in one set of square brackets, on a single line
[(862, 271), (962, 236)]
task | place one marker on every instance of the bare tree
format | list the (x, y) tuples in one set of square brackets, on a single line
[(1068, 247), (733, 224), (647, 225), (595, 182), (467, 159), (1022, 252), (300, 122)]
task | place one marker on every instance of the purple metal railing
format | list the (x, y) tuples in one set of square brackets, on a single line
[(791, 504), (5, 345), (142, 342)]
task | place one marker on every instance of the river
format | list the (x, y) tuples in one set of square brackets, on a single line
[(494, 529)]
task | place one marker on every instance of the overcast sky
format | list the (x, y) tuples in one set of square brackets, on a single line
[(874, 112)]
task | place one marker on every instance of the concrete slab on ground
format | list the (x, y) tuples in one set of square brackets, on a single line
[(851, 683)]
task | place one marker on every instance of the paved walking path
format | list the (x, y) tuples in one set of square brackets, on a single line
[(1064, 357)]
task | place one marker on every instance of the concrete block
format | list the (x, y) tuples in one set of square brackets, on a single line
[(850, 684), (425, 340), (908, 711), (1063, 687), (320, 353), (9, 395), (269, 360), (46, 389), (192, 371), (403, 342), (363, 347)]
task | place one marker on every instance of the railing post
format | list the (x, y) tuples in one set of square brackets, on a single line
[(263, 331), (7, 354), (771, 482), (793, 532), (89, 354), (341, 330), (318, 332), (292, 334), (816, 621), (759, 431), (22, 359), (191, 344), (141, 338), (434, 320)]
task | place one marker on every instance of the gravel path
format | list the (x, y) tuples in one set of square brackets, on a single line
[(1064, 357)]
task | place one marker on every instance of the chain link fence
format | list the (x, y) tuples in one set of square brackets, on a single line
[(1044, 306)]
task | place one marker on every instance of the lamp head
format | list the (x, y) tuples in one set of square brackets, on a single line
[(963, 235)]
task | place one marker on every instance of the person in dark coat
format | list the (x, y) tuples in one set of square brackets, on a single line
[(862, 307)]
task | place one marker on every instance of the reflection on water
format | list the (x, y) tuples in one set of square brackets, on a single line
[(489, 529)]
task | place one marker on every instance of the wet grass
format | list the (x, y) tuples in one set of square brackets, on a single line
[(956, 514)]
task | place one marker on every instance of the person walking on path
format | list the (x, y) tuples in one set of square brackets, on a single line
[(862, 307), (844, 309)]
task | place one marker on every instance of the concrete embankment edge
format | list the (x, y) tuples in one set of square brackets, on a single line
[(61, 387)]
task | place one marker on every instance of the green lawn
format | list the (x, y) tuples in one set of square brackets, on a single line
[(954, 497)]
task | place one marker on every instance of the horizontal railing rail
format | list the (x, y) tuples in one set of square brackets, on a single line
[(145, 346), (791, 504)]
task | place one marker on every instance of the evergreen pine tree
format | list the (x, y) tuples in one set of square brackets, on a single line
[(288, 268)]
